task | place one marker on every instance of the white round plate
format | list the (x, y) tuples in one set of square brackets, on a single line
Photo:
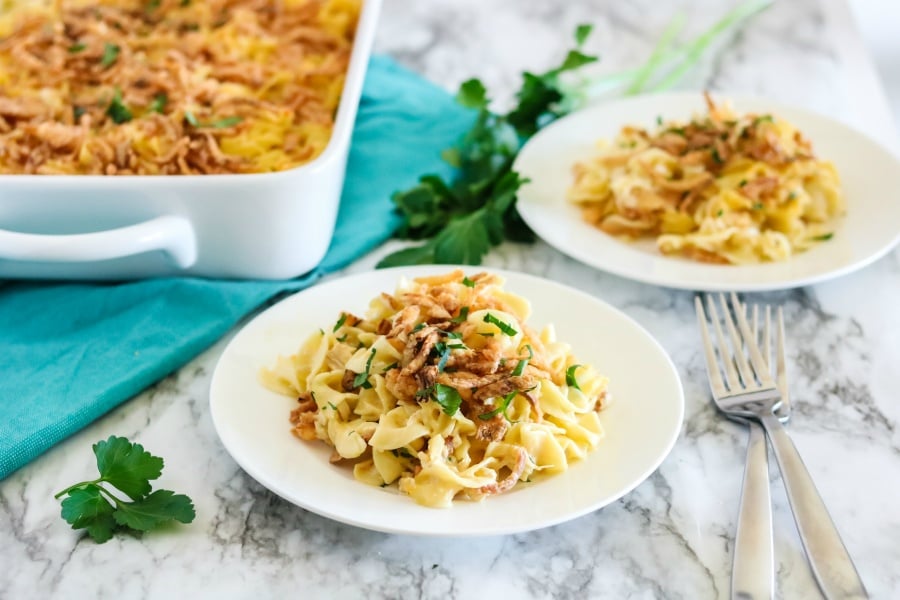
[(641, 424), (869, 175)]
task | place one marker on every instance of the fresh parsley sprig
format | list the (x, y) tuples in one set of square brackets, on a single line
[(476, 210), (127, 467)]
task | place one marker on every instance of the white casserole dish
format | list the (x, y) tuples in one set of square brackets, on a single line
[(245, 226)]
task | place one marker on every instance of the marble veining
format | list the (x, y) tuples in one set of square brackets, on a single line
[(671, 537)]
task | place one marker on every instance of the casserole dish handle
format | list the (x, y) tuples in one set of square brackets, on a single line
[(171, 234)]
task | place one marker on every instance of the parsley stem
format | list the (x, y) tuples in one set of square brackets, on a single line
[(78, 485), (110, 495)]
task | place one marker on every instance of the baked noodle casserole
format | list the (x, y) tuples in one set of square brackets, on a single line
[(443, 389), (721, 188), (144, 87)]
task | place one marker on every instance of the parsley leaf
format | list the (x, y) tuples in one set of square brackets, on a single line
[(340, 322), (110, 55), (462, 316), (504, 327), (502, 406), (127, 467), (570, 377), (582, 32), (823, 238), (154, 510), (468, 282), (447, 397), (77, 47), (362, 379), (223, 123), (117, 111), (444, 353), (159, 102), (520, 367)]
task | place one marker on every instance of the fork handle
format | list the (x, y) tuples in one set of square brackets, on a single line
[(753, 571), (831, 564)]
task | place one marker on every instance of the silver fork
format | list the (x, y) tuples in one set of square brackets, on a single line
[(748, 391), (753, 564)]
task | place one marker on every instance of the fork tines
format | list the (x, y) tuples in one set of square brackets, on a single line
[(741, 375)]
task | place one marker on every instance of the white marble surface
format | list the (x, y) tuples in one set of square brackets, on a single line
[(671, 537)]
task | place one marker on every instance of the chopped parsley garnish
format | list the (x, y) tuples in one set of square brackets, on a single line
[(520, 367), (505, 328), (792, 195), (402, 452), (763, 119), (824, 237), (677, 131), (501, 407), (340, 322), (443, 351), (225, 122), (720, 213), (758, 206), (76, 48), (716, 156), (342, 338), (462, 316), (321, 331), (488, 334), (468, 282), (659, 120), (393, 365), (362, 379), (419, 327), (192, 120), (447, 397), (742, 183), (77, 111), (110, 55), (570, 377), (159, 103), (333, 407), (117, 111)]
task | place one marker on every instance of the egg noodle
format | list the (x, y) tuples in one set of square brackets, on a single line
[(145, 87), (722, 188), (445, 390)]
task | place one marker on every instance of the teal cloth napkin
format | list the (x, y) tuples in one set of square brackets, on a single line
[(70, 352)]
